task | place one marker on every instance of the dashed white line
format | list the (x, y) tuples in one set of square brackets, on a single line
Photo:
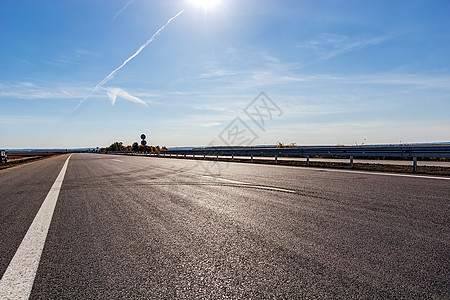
[(118, 160), (18, 279), (226, 180)]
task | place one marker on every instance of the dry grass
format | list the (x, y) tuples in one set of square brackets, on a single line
[(20, 158)]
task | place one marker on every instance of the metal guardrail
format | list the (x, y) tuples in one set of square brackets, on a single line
[(408, 151), (343, 151), (412, 151)]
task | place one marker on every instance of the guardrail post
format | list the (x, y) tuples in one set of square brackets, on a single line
[(193, 156), (217, 156), (232, 157), (204, 156), (415, 164), (276, 160), (351, 162), (252, 157), (307, 160), (185, 155)]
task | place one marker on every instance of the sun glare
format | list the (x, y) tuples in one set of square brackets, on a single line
[(206, 3)]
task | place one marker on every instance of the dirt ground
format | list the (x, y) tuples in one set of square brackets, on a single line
[(16, 158)]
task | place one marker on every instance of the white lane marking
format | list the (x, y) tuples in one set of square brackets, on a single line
[(270, 188), (18, 279), (226, 180), (117, 160), (380, 173)]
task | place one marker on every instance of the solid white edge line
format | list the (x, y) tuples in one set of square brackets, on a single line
[(18, 279)]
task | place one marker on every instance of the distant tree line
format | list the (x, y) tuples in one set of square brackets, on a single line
[(118, 146), (281, 145)]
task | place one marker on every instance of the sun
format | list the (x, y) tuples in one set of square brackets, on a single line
[(206, 3)]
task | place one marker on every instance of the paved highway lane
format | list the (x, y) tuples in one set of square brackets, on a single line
[(130, 227), (22, 191)]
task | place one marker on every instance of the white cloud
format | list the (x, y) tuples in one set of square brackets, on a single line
[(330, 45), (270, 71), (28, 90), (212, 124), (369, 132), (84, 52), (422, 81), (63, 61), (114, 92), (218, 73), (215, 107), (31, 91)]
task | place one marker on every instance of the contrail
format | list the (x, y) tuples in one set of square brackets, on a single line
[(123, 8), (109, 77)]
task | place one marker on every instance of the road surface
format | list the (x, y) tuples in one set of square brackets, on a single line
[(140, 227)]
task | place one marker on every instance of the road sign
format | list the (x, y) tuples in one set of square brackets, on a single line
[(2, 156), (143, 136), (143, 142)]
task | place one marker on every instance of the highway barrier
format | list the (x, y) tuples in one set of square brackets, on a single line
[(411, 151), (405, 151)]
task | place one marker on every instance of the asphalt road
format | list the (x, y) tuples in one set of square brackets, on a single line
[(139, 227)]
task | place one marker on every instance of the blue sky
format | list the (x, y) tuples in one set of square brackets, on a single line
[(340, 72)]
